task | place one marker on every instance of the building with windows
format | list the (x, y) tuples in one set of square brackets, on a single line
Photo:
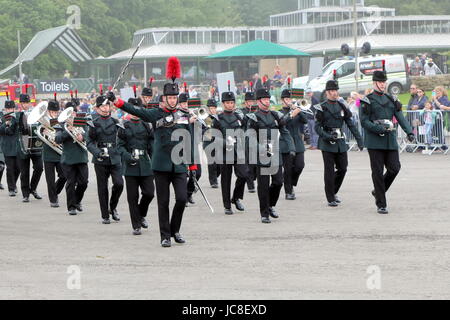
[(318, 27)]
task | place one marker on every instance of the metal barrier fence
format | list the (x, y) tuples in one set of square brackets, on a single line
[(431, 129)]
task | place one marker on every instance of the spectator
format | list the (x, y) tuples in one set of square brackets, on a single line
[(277, 77), (419, 100), (314, 137), (440, 99), (429, 118), (245, 87), (84, 107), (67, 74), (155, 94), (257, 81), (269, 82), (423, 60), (431, 69), (354, 102), (192, 92), (413, 92), (416, 68)]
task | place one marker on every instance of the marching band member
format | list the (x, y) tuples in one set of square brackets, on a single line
[(250, 106), (264, 121), (102, 144), (135, 142), (8, 133), (376, 114), (52, 159), (231, 120), (213, 166), (165, 121), (293, 165), (330, 118), (28, 152), (74, 159)]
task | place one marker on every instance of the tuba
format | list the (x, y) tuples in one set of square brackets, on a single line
[(67, 118), (45, 130)]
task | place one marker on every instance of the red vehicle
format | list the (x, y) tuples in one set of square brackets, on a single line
[(14, 91)]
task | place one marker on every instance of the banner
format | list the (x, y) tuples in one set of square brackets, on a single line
[(50, 86)]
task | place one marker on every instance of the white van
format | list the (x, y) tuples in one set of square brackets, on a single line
[(396, 68)]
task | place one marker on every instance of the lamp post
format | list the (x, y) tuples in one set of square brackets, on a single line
[(355, 34)]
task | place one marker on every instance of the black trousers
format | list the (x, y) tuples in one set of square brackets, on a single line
[(213, 173), (168, 227), (335, 169), (191, 183), (268, 193), (382, 182), (226, 176), (2, 169), (293, 168), (252, 170), (12, 172), (54, 188), (77, 176), (38, 168), (139, 209), (103, 172)]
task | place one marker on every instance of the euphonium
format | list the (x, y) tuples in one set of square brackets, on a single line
[(45, 130), (67, 118)]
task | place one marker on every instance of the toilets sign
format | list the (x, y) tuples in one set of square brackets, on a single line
[(50, 86)]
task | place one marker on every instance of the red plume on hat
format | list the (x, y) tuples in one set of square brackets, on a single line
[(54, 95), (251, 86), (185, 87), (150, 81), (334, 75), (134, 90), (384, 65), (76, 94), (101, 89), (71, 94), (173, 69), (229, 85), (289, 82), (7, 95)]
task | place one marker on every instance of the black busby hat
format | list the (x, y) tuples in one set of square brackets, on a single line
[(147, 91), (250, 96), (69, 104), (380, 75), (99, 101), (262, 93), (53, 105), (9, 104), (184, 97), (24, 98), (228, 95), (286, 93), (173, 72), (75, 99), (135, 102), (332, 85), (161, 97), (211, 103)]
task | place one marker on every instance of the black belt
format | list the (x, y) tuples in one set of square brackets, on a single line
[(106, 145)]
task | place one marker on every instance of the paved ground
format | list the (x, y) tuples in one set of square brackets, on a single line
[(312, 252)]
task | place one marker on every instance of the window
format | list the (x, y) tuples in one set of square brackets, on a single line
[(184, 37), (192, 39), (237, 37), (259, 35), (199, 37), (252, 35), (229, 36), (346, 69), (207, 37), (222, 36), (244, 36), (215, 37), (177, 37), (274, 36)]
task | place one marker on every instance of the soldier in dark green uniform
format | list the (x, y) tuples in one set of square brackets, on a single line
[(27, 155), (377, 111), (264, 121), (227, 123), (330, 118), (8, 131), (250, 106), (52, 159), (165, 121), (293, 165), (208, 139), (135, 145), (147, 95), (74, 160), (102, 144), (2, 164)]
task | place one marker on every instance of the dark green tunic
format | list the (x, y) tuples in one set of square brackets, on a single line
[(332, 115), (163, 145), (73, 153), (377, 106), (294, 125), (136, 135), (9, 138), (104, 131)]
